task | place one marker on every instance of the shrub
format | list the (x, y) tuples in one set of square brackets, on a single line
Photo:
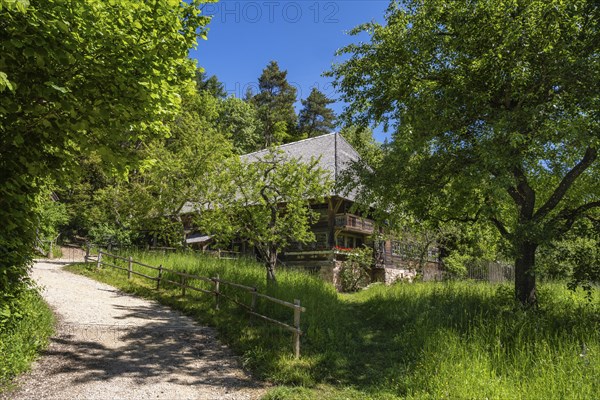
[(26, 323), (354, 273)]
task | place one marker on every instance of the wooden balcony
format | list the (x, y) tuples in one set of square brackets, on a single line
[(354, 223)]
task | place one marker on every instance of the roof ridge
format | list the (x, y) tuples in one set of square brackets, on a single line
[(292, 143)]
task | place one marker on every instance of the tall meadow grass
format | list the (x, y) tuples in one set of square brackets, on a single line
[(453, 340)]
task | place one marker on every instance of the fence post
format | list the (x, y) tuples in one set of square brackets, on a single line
[(87, 252), (297, 311), (99, 260), (183, 283), (160, 272), (253, 304), (50, 250), (129, 267), (216, 280)]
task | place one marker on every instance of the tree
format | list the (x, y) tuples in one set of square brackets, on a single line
[(316, 118), (575, 256), (268, 204), (275, 105), (362, 140), (182, 167), (238, 120), (78, 77), (185, 167), (210, 84), (494, 107)]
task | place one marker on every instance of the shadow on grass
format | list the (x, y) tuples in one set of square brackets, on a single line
[(393, 334)]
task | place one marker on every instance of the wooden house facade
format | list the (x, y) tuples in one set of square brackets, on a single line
[(340, 227)]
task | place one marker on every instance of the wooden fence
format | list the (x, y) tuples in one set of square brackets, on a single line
[(216, 291)]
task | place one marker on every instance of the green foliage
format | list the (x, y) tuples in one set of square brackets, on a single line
[(495, 118), (78, 77), (575, 257), (238, 120), (455, 265), (355, 270), (363, 142), (275, 106), (105, 235), (316, 118), (211, 85), (459, 340), (145, 202), (267, 203), (26, 323), (53, 215)]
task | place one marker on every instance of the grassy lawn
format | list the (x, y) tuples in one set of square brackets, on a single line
[(26, 323), (456, 340)]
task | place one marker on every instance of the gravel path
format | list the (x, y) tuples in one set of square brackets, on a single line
[(110, 345)]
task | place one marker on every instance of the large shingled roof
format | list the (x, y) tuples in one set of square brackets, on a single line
[(334, 153)]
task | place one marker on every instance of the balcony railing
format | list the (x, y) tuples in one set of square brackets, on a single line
[(354, 223)]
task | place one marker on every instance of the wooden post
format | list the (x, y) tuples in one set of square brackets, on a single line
[(129, 267), (160, 272), (216, 280), (99, 260), (50, 250), (253, 304), (87, 252), (297, 311), (183, 283)]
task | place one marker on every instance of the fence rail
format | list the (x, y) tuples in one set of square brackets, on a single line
[(216, 290)]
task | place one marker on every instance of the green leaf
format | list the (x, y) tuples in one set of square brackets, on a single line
[(5, 83), (56, 87)]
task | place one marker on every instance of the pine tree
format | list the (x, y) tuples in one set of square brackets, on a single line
[(210, 84), (316, 118), (275, 105)]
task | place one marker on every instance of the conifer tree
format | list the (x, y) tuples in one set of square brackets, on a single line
[(316, 118), (210, 84), (275, 105)]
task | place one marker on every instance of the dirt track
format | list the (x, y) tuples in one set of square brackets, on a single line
[(110, 345)]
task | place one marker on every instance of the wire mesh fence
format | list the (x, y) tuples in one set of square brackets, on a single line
[(490, 271)]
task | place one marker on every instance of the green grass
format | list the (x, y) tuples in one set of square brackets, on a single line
[(26, 323), (457, 340)]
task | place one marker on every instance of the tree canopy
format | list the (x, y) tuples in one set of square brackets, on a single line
[(316, 118), (267, 203), (494, 107), (275, 105), (77, 76)]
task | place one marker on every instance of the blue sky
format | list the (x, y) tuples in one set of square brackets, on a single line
[(302, 36)]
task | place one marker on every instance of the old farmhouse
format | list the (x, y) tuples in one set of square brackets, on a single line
[(340, 227)]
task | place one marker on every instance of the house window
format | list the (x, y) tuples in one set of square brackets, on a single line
[(320, 240), (403, 249), (349, 242), (433, 253)]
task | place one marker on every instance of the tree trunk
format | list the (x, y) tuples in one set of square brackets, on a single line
[(271, 263), (525, 288)]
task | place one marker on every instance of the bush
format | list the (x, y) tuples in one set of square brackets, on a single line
[(455, 265), (26, 323), (354, 273)]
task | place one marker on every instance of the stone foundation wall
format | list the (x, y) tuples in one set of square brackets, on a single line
[(393, 275), (331, 273)]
